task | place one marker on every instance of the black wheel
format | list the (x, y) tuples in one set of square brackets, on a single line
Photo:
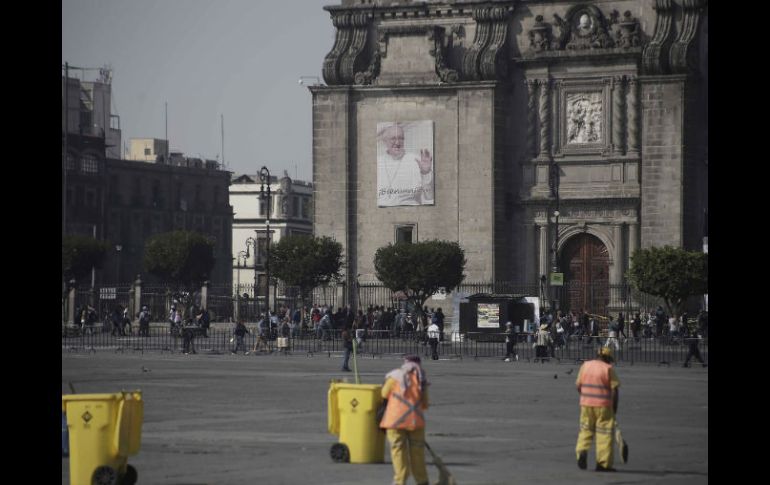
[(340, 453), (104, 475), (130, 477)]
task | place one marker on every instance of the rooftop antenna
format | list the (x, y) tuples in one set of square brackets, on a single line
[(167, 143), (224, 167)]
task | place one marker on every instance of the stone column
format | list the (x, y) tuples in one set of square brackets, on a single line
[(205, 294), (237, 306), (633, 240), (543, 250), (632, 107), (617, 115), (616, 275), (545, 118), (136, 301), (531, 118), (71, 303)]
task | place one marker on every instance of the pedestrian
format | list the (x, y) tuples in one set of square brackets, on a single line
[(144, 322), (598, 385), (204, 321), (636, 325), (621, 326), (240, 332), (125, 323), (116, 321), (560, 341), (406, 392), (438, 317), (347, 343), (262, 335), (433, 336), (544, 341), (188, 335), (612, 338), (693, 351), (510, 343)]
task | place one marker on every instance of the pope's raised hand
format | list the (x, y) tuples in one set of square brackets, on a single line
[(425, 161)]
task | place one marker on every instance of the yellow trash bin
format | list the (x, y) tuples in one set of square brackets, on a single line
[(104, 429), (352, 411)]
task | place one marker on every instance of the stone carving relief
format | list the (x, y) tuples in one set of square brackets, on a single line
[(584, 118), (371, 73), (628, 33), (540, 35), (584, 28)]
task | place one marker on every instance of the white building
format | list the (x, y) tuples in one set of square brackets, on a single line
[(147, 149), (290, 213)]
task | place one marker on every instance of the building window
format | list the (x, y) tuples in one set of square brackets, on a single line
[(406, 233), (89, 164), (296, 207), (148, 151), (71, 163)]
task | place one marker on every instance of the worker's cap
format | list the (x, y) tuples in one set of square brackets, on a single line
[(605, 352), (412, 358), (508, 324)]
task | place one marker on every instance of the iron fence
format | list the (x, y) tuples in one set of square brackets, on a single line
[(220, 340), (225, 302)]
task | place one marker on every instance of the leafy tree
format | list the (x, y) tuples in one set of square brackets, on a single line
[(79, 254), (673, 274), (420, 269), (181, 258), (306, 261)]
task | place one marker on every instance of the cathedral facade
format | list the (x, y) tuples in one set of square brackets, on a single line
[(544, 136)]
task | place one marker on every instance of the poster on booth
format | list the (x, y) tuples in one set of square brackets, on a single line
[(488, 315)]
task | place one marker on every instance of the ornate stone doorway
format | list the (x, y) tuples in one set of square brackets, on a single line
[(585, 262)]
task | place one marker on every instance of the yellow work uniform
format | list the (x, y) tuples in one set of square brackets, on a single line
[(598, 418), (407, 446)]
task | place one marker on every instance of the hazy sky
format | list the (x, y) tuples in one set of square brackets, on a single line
[(206, 58)]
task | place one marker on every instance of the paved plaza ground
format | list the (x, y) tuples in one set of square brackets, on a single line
[(225, 419)]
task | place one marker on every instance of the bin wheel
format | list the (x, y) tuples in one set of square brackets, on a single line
[(104, 475), (340, 453), (130, 477)]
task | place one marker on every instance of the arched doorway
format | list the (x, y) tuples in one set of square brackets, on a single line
[(586, 265)]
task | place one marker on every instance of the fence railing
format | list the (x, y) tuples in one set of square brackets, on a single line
[(226, 302), (220, 340)]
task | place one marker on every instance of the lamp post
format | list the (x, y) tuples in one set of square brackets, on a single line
[(554, 181), (118, 249), (252, 241), (265, 195), (244, 255)]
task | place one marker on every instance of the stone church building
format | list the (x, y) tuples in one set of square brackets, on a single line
[(558, 136)]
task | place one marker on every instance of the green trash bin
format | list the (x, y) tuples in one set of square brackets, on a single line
[(104, 430), (352, 416)]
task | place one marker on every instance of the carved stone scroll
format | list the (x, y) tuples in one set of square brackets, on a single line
[(342, 38), (653, 59), (487, 58), (681, 60), (353, 60)]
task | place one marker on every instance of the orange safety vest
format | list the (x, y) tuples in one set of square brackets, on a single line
[(404, 411), (594, 384)]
